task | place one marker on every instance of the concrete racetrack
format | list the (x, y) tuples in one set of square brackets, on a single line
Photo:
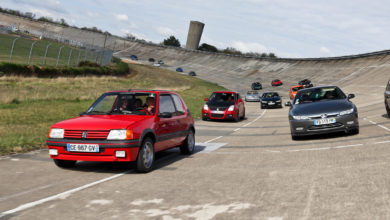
[(246, 170)]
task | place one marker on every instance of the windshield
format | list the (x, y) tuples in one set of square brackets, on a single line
[(318, 94), (270, 95), (222, 97), (123, 103)]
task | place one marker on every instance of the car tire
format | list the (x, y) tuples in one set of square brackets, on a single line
[(237, 118), (145, 157), (354, 131), (188, 146), (65, 163), (387, 109), (243, 115)]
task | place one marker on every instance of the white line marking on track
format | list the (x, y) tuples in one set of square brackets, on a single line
[(236, 129), (375, 123), (66, 193), (214, 139), (209, 147), (25, 192), (382, 142), (273, 151), (346, 146), (326, 148)]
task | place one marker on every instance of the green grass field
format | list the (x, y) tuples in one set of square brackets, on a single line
[(30, 105), (22, 50)]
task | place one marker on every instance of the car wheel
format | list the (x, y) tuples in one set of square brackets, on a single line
[(354, 131), (204, 118), (295, 137), (145, 157), (243, 115), (387, 110), (65, 163), (189, 144), (237, 118)]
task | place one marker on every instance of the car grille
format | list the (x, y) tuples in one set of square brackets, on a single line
[(219, 108), (217, 115), (319, 127), (91, 134), (332, 115)]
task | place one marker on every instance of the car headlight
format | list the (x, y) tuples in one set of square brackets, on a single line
[(120, 135), (206, 107), (56, 133), (231, 108), (300, 117), (278, 100), (264, 102), (347, 112)]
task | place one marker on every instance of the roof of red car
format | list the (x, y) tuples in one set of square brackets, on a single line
[(141, 90), (224, 92)]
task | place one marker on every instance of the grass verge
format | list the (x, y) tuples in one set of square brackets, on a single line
[(30, 105)]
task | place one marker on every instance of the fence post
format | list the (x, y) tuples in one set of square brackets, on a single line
[(29, 55), (70, 54), (96, 57), (58, 57), (78, 58), (12, 49), (85, 54), (44, 57)]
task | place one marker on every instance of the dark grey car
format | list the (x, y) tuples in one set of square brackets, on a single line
[(322, 110), (387, 99)]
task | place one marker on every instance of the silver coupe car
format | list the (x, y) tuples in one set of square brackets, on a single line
[(323, 109), (252, 96)]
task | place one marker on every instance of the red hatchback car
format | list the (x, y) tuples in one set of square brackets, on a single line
[(124, 126), (276, 82), (224, 105)]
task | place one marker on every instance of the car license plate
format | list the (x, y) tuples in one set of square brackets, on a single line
[(271, 103), (324, 121), (83, 147), (217, 112)]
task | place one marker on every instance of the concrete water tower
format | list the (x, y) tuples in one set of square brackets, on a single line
[(194, 35)]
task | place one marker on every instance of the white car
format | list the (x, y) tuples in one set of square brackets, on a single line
[(252, 96)]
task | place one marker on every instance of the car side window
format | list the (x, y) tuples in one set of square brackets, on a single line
[(178, 104), (166, 104)]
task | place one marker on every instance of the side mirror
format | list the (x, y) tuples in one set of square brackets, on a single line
[(351, 96), (165, 115), (287, 103), (239, 100), (206, 99)]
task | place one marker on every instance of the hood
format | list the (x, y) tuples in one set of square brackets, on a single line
[(321, 107), (219, 104), (270, 99), (100, 122)]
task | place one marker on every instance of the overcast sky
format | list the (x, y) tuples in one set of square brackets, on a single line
[(288, 28)]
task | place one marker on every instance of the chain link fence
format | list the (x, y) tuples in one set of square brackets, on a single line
[(25, 49)]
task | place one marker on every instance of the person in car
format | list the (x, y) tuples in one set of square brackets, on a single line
[(150, 104), (137, 104), (124, 105)]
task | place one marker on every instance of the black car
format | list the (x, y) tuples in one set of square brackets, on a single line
[(256, 86), (192, 73), (161, 62), (151, 60), (387, 99), (322, 109), (133, 57), (305, 83), (271, 100)]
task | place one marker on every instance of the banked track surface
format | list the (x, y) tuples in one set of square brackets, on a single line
[(246, 170)]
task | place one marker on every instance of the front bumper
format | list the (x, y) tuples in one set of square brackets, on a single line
[(249, 99), (106, 152), (271, 105), (226, 115), (306, 127)]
